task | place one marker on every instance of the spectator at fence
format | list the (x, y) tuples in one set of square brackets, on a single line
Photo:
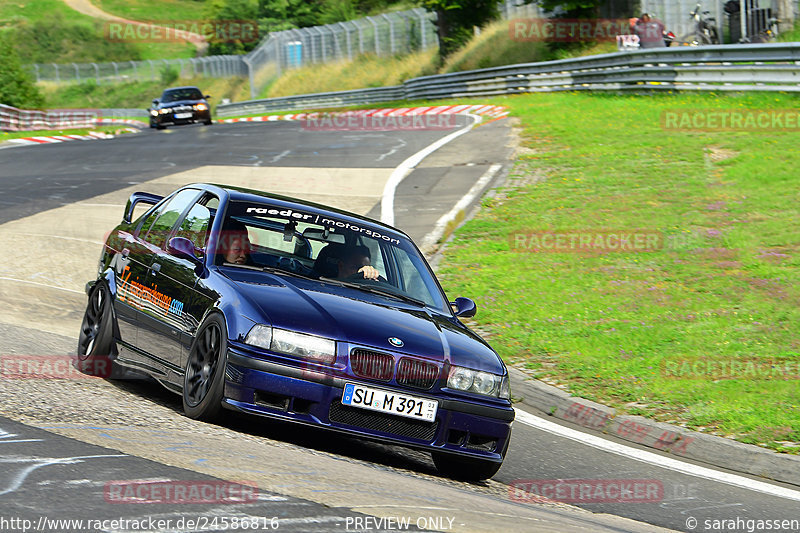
[(650, 32)]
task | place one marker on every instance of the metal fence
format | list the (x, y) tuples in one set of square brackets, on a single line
[(389, 34), (765, 67), (148, 70), (383, 35)]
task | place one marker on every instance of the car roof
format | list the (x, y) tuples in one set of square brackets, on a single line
[(252, 195), (184, 87)]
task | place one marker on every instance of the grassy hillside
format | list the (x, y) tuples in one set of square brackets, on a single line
[(493, 47), (137, 94), (153, 10), (49, 31)]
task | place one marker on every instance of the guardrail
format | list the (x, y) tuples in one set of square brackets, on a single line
[(760, 67), (13, 119)]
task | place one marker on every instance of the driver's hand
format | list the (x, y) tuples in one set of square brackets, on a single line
[(369, 272)]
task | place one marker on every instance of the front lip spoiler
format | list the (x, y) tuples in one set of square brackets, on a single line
[(498, 413)]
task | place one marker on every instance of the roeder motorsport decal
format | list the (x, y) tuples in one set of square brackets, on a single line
[(329, 223), (142, 296)]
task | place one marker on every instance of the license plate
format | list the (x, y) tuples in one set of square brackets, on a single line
[(183, 115), (389, 402)]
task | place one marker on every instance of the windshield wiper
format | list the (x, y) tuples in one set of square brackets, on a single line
[(376, 290), (276, 270)]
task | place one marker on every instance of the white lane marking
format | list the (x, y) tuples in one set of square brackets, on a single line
[(39, 284), (655, 459), (438, 229), (280, 156), (37, 462), (402, 170)]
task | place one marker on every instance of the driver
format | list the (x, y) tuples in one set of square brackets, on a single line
[(235, 243), (354, 260)]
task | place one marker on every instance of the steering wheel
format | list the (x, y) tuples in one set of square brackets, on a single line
[(289, 263), (359, 276)]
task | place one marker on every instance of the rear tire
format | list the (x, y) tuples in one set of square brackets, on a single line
[(96, 346), (204, 377)]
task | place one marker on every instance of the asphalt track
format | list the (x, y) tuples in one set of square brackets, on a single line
[(57, 201)]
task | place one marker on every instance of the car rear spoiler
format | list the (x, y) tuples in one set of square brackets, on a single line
[(135, 198)]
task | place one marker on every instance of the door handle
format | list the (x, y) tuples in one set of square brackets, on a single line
[(156, 268)]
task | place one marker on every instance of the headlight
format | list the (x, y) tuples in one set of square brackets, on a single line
[(201, 107), (164, 111), (293, 343), (464, 379), (260, 335), (154, 112)]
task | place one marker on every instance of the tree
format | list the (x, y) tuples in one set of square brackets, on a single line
[(16, 86), (231, 10), (455, 20)]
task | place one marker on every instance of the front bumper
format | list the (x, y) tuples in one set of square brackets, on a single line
[(270, 389)]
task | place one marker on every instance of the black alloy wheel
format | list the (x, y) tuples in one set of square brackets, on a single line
[(204, 378)]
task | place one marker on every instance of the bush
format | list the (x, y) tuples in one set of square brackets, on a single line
[(169, 74), (16, 86)]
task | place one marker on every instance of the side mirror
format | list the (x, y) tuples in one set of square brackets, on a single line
[(207, 96), (183, 247), (464, 307), (155, 101)]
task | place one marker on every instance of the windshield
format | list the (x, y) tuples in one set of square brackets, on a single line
[(326, 248), (174, 95)]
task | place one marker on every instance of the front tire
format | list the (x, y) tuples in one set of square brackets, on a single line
[(204, 378), (96, 345)]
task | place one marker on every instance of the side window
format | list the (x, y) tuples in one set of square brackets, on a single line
[(195, 226), (161, 228)]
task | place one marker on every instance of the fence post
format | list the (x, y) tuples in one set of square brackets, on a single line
[(77, 72), (392, 46), (423, 28), (116, 70), (96, 72), (377, 36), (348, 41)]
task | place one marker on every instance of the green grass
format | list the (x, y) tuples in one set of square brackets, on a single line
[(153, 10), (8, 135), (724, 287)]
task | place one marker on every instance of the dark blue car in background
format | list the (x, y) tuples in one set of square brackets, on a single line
[(273, 306)]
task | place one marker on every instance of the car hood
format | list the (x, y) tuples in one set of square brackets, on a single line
[(363, 319)]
